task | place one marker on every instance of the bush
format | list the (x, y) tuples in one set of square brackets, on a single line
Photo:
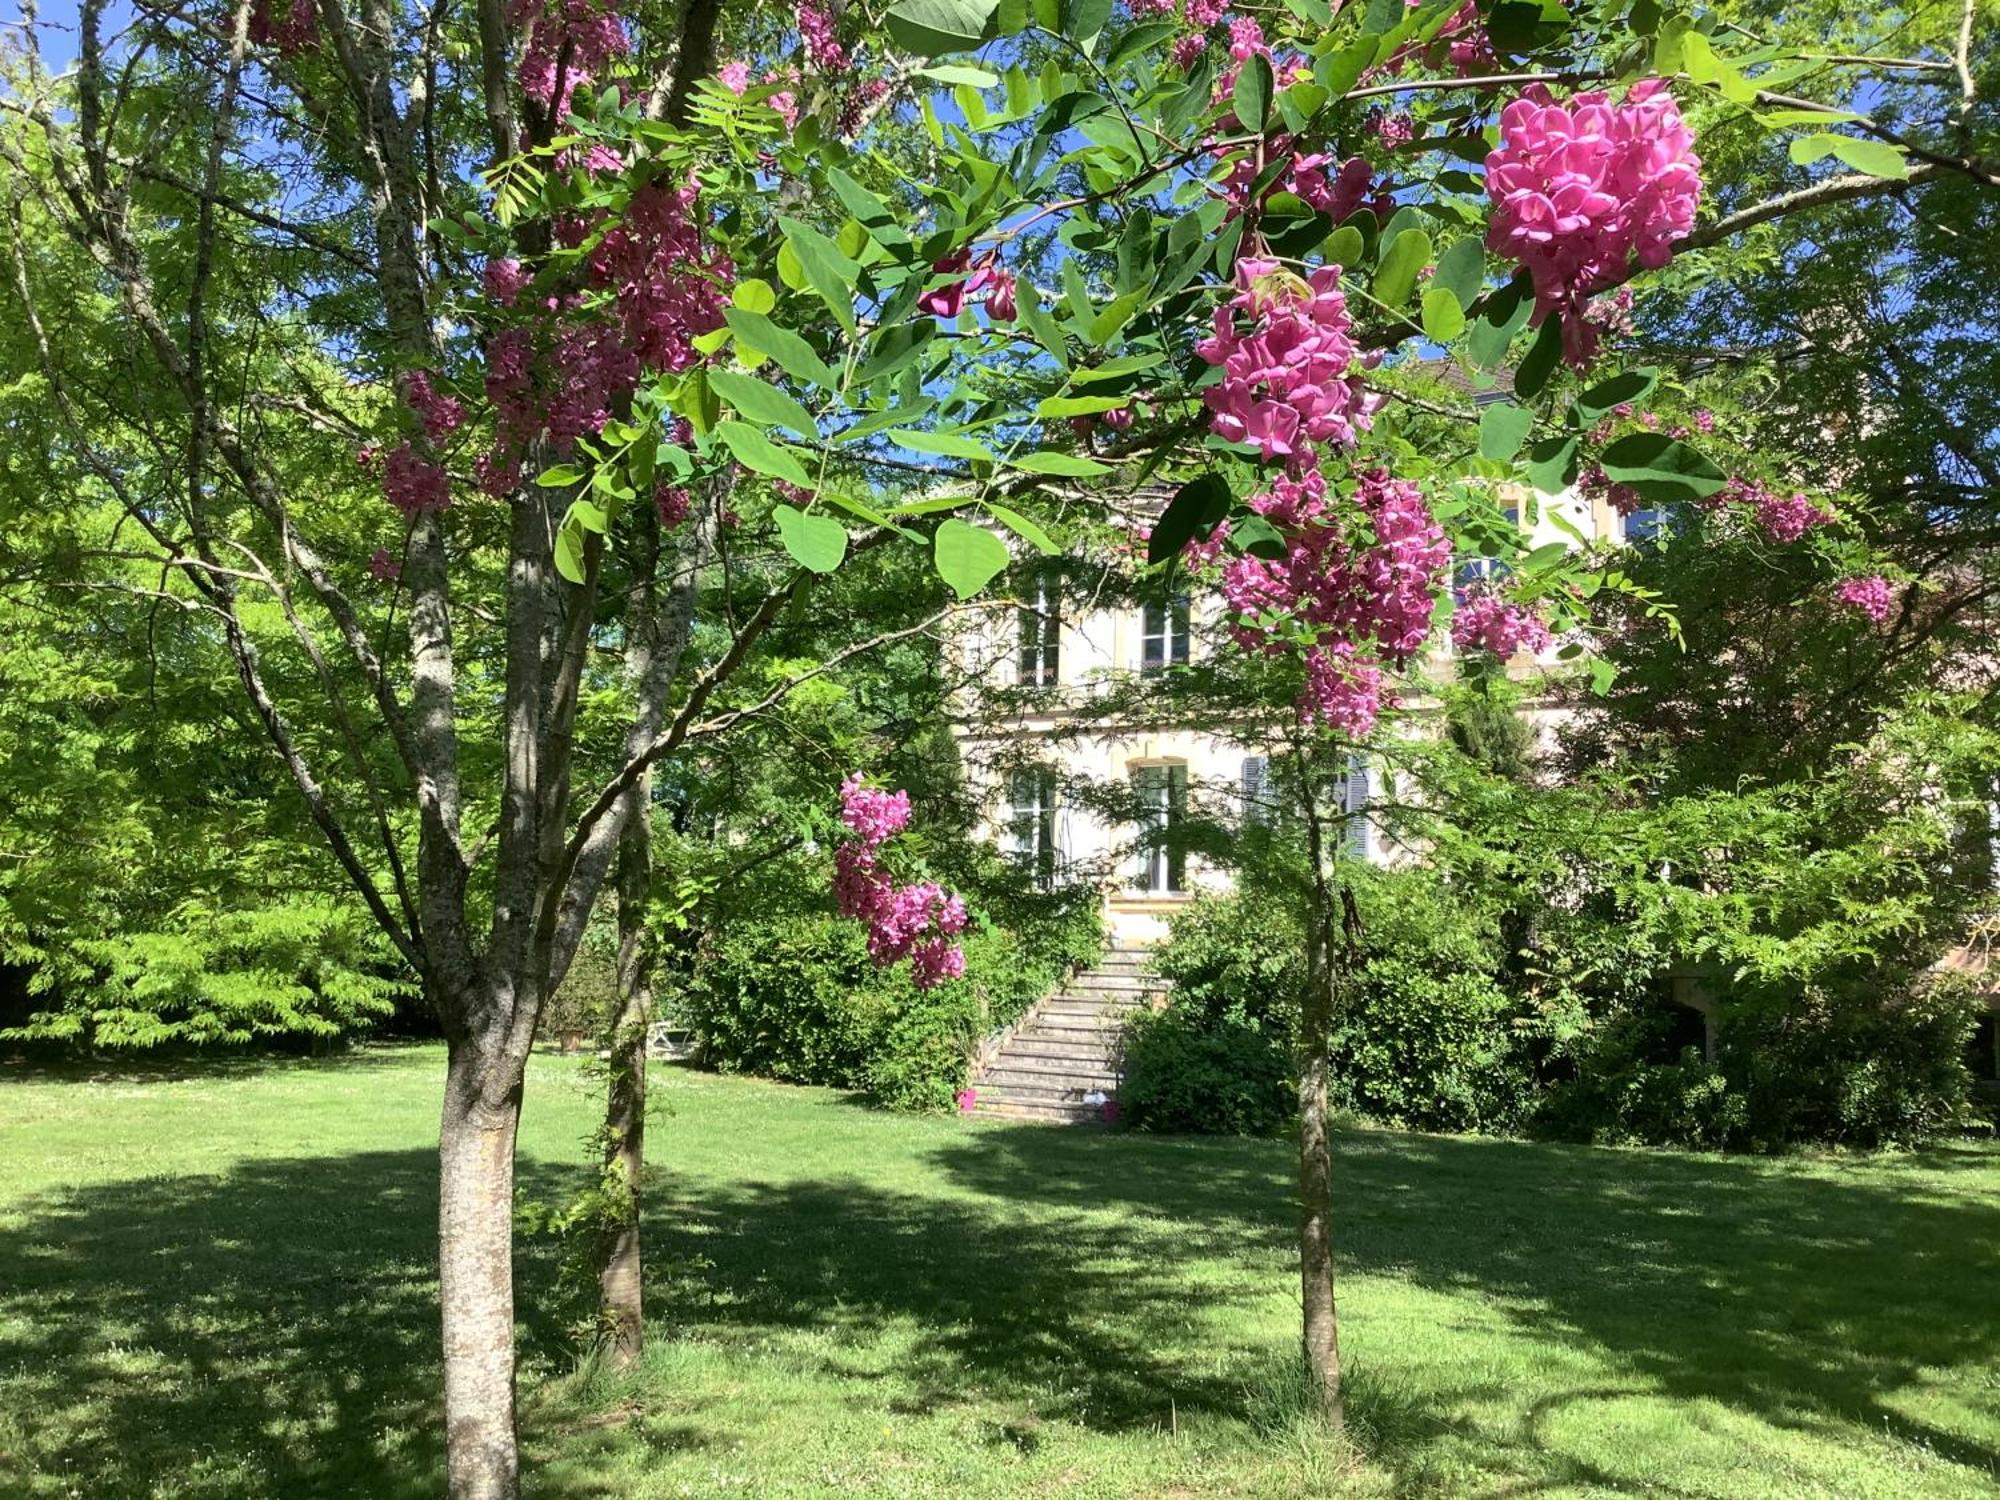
[(794, 995), (1185, 1072), (1425, 1038), (1623, 1094), (300, 969), (1850, 1065)]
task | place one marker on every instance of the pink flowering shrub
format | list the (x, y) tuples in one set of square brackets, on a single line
[(1581, 189), (917, 922), (1869, 595), (1783, 518), (1486, 622)]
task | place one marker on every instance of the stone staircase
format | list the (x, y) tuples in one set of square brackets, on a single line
[(1067, 1046)]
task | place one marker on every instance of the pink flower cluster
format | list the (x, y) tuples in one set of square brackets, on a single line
[(1784, 518), (1290, 380), (1356, 596), (1869, 595), (291, 33), (991, 277), (413, 483), (1486, 622), (672, 504), (820, 32), (917, 922), (1580, 189), (440, 415), (569, 42)]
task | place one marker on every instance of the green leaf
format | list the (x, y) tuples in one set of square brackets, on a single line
[(1503, 427), (1084, 20), (944, 444), (1552, 463), (1023, 528), (1251, 98), (956, 73), (558, 475), (967, 556), (1506, 310), (1875, 158), (830, 271), (1124, 364), (1344, 247), (874, 422), (1541, 359), (1602, 674), (857, 200), (569, 553), (816, 543), (1337, 72), (755, 451), (1137, 39), (1444, 319), (1661, 468), (1067, 465), (1601, 399), (932, 28), (1048, 333), (1053, 407), (1396, 276), (1258, 537), (754, 295), (763, 402), (1462, 269), (793, 354), (1196, 509)]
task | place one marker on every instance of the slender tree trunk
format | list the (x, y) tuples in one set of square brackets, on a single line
[(482, 1109), (1321, 1330), (621, 1306)]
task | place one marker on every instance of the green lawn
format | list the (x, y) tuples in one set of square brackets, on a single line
[(220, 1285)]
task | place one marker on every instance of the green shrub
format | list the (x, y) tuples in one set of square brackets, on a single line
[(302, 968), (795, 996), (1187, 1073), (1623, 1093), (1431, 1051), (1851, 1064)]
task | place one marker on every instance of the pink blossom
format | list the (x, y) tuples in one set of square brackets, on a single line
[(874, 816), (1288, 381), (946, 301), (1581, 189), (1187, 50), (967, 1098), (1000, 304), (383, 566), (858, 103), (1486, 622), (734, 76), (291, 33), (1784, 518), (821, 34), (1202, 14), (505, 280), (1869, 595), (672, 504), (441, 415), (569, 42), (413, 484), (917, 922), (1119, 418)]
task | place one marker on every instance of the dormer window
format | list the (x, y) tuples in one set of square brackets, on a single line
[(1164, 641)]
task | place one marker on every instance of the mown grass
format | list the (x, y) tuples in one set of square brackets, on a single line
[(220, 1285)]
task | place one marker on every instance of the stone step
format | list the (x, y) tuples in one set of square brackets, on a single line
[(1037, 1093), (1098, 981), (1013, 1077), (1052, 1051), (1089, 1005), (1040, 1114)]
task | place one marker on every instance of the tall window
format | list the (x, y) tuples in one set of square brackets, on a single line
[(1041, 631), (1165, 639), (1161, 868), (1031, 822), (1353, 798), (1256, 789)]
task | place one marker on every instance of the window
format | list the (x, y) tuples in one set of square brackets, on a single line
[(1645, 525), (1256, 789), (1161, 868), (1355, 795), (1040, 620), (1166, 635), (1031, 822)]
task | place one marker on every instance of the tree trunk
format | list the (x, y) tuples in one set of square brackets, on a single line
[(1321, 1324), (621, 1307), (482, 1109)]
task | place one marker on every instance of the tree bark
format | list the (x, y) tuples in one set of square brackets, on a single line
[(1321, 1330), (621, 1306), (482, 1109)]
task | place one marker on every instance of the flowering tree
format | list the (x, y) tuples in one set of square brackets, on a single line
[(603, 305)]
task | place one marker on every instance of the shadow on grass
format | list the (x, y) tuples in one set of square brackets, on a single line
[(60, 1065), (1807, 1301), (271, 1331)]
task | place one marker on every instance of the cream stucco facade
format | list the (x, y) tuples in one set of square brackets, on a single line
[(1024, 762)]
